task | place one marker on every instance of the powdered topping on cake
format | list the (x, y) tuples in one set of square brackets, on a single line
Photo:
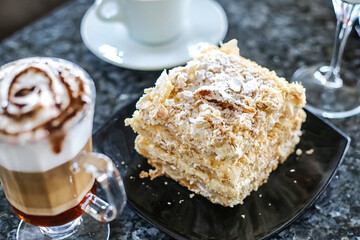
[(232, 96)]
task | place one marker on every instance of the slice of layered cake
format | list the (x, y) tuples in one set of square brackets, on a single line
[(220, 124)]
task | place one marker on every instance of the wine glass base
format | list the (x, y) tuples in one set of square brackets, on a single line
[(83, 228), (338, 99)]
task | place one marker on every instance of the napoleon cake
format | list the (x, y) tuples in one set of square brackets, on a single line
[(220, 124)]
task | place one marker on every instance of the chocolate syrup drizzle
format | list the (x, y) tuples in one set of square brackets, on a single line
[(53, 126)]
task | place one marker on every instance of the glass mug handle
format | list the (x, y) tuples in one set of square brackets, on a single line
[(108, 176)]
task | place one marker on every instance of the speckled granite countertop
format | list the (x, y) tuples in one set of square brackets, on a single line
[(279, 34)]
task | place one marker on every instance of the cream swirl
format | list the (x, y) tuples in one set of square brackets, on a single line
[(39, 96)]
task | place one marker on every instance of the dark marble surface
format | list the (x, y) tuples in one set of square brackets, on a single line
[(279, 34)]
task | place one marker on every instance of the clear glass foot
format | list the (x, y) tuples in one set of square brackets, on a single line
[(82, 228), (330, 99)]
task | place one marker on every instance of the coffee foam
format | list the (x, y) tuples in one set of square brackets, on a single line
[(41, 100), (39, 157)]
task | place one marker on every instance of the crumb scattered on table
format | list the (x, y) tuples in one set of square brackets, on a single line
[(152, 174), (144, 174), (298, 152), (310, 151)]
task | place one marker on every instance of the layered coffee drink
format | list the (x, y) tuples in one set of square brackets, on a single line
[(46, 112)]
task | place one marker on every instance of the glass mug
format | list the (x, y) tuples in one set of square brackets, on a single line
[(47, 168)]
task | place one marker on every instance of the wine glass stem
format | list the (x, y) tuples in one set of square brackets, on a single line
[(342, 33), (343, 29)]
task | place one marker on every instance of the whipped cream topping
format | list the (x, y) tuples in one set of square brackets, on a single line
[(39, 96)]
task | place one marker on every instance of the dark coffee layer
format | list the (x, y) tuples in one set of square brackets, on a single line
[(56, 220)]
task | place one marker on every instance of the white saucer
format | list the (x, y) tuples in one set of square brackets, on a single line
[(111, 42)]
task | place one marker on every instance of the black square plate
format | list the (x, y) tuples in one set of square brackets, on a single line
[(291, 188)]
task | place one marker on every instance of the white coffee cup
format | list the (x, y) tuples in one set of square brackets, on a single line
[(151, 22)]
